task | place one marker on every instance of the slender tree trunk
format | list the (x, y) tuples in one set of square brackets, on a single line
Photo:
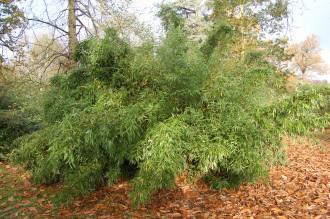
[(1, 69), (72, 32)]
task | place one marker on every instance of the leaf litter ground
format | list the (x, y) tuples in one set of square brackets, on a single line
[(300, 189)]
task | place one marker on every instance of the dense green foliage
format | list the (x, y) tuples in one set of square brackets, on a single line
[(160, 110), (14, 122)]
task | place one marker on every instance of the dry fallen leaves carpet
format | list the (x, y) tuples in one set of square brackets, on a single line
[(300, 189)]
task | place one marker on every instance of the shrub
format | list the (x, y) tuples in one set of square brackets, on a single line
[(164, 110), (14, 122)]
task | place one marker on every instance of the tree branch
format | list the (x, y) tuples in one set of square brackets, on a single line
[(48, 23)]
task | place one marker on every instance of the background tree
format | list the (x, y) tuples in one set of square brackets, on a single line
[(70, 21), (115, 14), (11, 23), (251, 20), (72, 33), (44, 60), (307, 56), (63, 24), (192, 15)]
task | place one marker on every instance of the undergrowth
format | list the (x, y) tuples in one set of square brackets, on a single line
[(15, 119)]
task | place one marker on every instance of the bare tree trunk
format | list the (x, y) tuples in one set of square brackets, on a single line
[(72, 32), (1, 69)]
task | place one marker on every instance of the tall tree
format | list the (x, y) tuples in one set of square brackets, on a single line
[(44, 60), (190, 14), (251, 19), (307, 56), (73, 20), (11, 23), (63, 24), (72, 30)]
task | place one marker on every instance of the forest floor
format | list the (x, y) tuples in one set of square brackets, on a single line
[(300, 189)]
